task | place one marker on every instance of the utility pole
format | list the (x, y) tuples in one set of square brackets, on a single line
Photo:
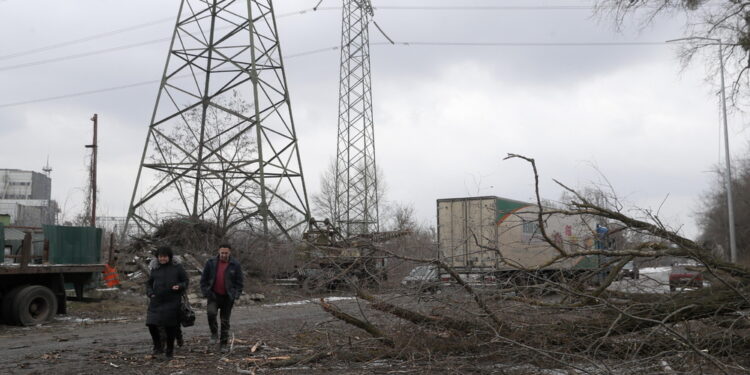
[(221, 144), (728, 165), (730, 200), (356, 183), (51, 216), (92, 172)]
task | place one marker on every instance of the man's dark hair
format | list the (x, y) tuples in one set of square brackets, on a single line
[(225, 245), (165, 250)]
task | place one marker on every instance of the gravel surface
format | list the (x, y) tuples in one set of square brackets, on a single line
[(121, 344)]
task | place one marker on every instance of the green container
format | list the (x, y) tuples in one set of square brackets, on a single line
[(73, 245), (4, 219), (589, 262), (2, 243)]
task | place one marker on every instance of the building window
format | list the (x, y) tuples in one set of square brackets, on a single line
[(16, 196), (530, 226)]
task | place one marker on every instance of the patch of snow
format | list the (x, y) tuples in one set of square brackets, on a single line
[(654, 269), (304, 302), (87, 320)]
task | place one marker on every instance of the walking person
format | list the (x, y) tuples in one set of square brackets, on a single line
[(601, 237), (164, 288), (221, 284), (152, 265)]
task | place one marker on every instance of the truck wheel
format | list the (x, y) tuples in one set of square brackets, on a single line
[(8, 315), (35, 304)]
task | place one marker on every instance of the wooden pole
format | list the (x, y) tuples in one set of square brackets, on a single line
[(25, 250), (94, 147), (111, 248)]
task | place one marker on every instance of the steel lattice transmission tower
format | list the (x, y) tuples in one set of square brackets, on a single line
[(356, 203), (222, 145)]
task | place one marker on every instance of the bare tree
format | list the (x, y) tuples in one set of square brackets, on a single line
[(324, 201), (573, 324), (402, 217), (713, 217), (709, 26), (233, 147)]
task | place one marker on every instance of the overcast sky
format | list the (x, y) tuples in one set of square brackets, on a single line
[(445, 116)]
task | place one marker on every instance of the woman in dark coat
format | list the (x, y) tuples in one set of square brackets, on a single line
[(164, 288)]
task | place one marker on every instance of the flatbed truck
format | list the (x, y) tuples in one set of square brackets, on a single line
[(32, 289)]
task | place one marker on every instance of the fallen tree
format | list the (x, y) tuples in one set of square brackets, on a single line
[(584, 327)]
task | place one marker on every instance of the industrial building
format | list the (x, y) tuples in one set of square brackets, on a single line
[(26, 198)]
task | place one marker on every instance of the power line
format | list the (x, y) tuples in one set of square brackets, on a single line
[(287, 14), (143, 83), (335, 48), (111, 33), (488, 7), (312, 52), (79, 55), (84, 39), (100, 51), (489, 44), (82, 93), (281, 15), (521, 44)]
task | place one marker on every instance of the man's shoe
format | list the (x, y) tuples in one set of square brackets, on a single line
[(169, 355), (224, 349), (156, 351), (214, 338)]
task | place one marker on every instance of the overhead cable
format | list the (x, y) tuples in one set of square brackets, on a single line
[(143, 83), (79, 55), (115, 32), (335, 48), (520, 44), (84, 39), (487, 7), (305, 11), (82, 93)]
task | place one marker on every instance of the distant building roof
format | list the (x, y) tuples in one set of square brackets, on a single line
[(12, 234)]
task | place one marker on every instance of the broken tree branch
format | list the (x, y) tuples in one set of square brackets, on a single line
[(367, 327)]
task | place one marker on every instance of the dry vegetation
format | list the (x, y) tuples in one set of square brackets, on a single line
[(549, 324), (568, 326)]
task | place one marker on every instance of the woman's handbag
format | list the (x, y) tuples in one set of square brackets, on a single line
[(187, 315)]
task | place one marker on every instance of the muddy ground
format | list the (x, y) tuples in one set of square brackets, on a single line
[(110, 336)]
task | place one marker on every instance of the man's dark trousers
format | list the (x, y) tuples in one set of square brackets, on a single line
[(222, 305)]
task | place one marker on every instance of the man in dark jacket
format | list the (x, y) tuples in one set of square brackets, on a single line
[(164, 289), (221, 284)]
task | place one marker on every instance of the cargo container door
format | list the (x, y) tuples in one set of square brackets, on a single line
[(452, 232), (481, 233)]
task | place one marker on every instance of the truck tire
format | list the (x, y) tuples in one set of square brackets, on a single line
[(8, 315), (35, 304)]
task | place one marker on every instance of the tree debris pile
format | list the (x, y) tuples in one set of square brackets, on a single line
[(327, 260), (698, 331), (193, 242), (594, 324)]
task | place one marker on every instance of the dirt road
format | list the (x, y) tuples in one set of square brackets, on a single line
[(121, 345), (111, 338)]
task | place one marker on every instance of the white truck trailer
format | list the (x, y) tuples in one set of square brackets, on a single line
[(491, 238)]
